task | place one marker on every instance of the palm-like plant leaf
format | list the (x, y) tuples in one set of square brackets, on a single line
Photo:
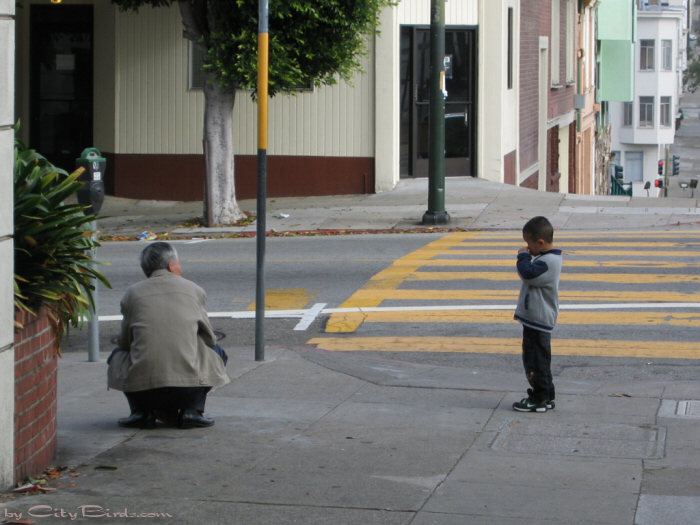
[(53, 245)]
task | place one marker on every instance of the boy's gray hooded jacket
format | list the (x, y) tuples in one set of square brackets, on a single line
[(538, 304)]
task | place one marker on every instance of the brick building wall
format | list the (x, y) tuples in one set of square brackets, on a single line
[(530, 31), (553, 173), (530, 182), (35, 395), (573, 174), (561, 100)]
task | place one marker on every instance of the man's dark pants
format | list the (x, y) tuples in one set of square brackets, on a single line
[(171, 398), (537, 360), (168, 398)]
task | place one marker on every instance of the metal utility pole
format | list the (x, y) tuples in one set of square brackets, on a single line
[(436, 213), (263, 50), (93, 319), (666, 173)]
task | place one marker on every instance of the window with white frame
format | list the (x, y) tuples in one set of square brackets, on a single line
[(667, 55), (665, 114), (646, 112), (555, 43), (194, 67), (646, 55), (628, 114), (570, 43)]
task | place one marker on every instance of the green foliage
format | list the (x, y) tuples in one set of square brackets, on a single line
[(311, 41), (691, 77), (52, 244)]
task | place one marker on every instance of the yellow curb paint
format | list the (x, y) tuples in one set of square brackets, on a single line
[(470, 345), (286, 299)]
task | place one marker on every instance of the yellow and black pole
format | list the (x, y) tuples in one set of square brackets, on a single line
[(263, 57)]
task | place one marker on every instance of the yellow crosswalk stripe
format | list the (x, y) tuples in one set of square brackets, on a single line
[(342, 322), (369, 297), (510, 263), (286, 299), (577, 253), (626, 278), (673, 260), (566, 244), (490, 345)]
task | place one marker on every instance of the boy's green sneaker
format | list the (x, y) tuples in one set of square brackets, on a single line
[(550, 402), (527, 405)]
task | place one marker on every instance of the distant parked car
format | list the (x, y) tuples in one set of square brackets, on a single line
[(691, 36)]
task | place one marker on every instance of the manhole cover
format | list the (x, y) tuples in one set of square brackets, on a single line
[(580, 439)]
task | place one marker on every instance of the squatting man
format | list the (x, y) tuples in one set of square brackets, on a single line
[(167, 359)]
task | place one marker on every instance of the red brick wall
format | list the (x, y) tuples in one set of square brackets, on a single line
[(35, 395), (531, 182), (553, 172), (572, 158), (530, 14)]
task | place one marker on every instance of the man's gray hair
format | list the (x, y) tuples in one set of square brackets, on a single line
[(157, 256)]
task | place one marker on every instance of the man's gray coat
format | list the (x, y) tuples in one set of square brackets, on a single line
[(166, 338)]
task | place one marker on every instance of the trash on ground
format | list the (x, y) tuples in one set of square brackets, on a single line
[(147, 236)]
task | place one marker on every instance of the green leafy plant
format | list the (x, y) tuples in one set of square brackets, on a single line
[(53, 266)]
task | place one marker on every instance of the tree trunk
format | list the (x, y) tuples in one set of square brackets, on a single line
[(220, 206), (220, 191)]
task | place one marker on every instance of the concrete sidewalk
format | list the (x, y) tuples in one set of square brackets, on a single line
[(320, 437), (330, 438), (471, 203)]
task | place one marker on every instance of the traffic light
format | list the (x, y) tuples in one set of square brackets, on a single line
[(676, 164), (661, 167), (619, 172), (659, 183)]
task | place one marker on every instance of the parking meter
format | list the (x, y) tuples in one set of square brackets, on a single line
[(93, 192)]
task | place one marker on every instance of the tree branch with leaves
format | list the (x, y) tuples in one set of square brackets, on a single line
[(312, 42)]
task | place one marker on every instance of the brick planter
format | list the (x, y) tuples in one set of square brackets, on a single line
[(35, 394)]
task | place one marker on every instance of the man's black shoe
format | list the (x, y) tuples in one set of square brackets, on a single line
[(190, 418), (138, 420)]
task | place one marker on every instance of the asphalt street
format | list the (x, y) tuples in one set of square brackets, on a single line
[(628, 300)]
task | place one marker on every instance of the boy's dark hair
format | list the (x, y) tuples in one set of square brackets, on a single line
[(539, 228)]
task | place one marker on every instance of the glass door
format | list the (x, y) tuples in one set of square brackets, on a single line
[(460, 104), (61, 81)]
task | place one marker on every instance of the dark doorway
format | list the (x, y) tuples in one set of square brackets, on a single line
[(460, 105), (61, 80)]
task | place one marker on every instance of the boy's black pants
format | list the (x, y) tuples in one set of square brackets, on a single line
[(537, 360)]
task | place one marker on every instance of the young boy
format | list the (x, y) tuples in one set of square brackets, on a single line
[(539, 266)]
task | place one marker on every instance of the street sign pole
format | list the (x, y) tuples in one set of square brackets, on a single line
[(436, 213), (263, 50)]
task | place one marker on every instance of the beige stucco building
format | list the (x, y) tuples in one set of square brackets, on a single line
[(7, 357), (123, 83)]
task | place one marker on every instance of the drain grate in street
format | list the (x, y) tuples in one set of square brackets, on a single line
[(686, 409), (534, 436)]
